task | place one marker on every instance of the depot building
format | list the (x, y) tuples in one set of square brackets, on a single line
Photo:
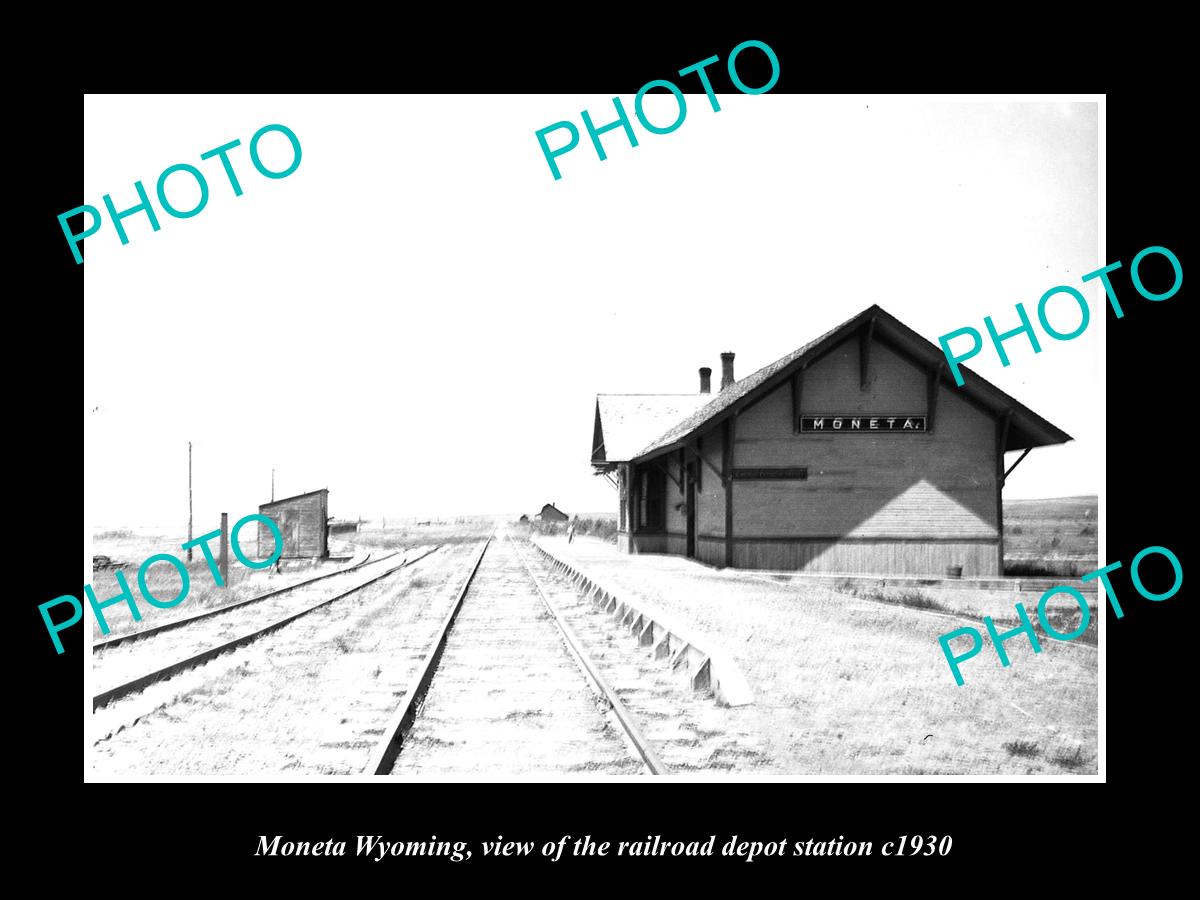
[(856, 453)]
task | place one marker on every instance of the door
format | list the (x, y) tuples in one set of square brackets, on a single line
[(691, 513), (290, 527)]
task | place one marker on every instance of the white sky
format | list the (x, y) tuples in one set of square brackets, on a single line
[(419, 317)]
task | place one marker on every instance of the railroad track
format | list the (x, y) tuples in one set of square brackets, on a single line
[(470, 646), (115, 640), (190, 648), (507, 682)]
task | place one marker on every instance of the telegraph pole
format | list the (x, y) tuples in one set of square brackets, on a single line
[(223, 562), (189, 499), (272, 485)]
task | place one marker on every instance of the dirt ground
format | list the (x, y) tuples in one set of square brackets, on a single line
[(855, 686)]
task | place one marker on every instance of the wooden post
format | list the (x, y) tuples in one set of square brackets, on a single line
[(727, 479), (1002, 427), (797, 390), (224, 560), (933, 385), (189, 499)]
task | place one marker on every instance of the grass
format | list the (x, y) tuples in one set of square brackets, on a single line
[(602, 527), (1052, 538), (1022, 748), (398, 535), (1048, 568), (907, 597), (129, 549), (1064, 619), (112, 534), (796, 643), (1070, 760)]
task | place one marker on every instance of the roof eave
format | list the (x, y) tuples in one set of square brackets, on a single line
[(983, 392)]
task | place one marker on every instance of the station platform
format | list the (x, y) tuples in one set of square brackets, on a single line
[(853, 679)]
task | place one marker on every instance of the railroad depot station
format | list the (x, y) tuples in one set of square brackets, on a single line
[(856, 453)]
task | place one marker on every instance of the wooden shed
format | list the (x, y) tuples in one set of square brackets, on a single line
[(302, 520), (856, 453), (551, 513)]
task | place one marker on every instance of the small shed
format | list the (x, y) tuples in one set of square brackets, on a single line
[(302, 521), (551, 513)]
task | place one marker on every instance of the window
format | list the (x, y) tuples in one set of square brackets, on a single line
[(652, 499)]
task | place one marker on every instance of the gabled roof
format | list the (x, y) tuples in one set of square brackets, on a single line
[(729, 397), (1026, 428), (625, 423), (297, 497)]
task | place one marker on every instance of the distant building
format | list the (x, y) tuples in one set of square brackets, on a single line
[(303, 522), (855, 453), (341, 526), (551, 513)]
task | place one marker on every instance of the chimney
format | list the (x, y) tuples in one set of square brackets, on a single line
[(705, 380), (726, 370)]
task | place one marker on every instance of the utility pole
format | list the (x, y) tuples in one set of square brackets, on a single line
[(189, 499), (223, 564), (272, 485)]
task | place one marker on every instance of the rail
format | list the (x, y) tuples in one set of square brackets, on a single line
[(188, 620), (104, 698)]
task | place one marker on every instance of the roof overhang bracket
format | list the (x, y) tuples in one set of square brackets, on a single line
[(1004, 477), (666, 471), (700, 456), (1002, 442)]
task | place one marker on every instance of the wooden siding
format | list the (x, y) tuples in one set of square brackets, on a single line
[(885, 486), (710, 500), (916, 557), (912, 504), (676, 520), (710, 550), (658, 543), (302, 520)]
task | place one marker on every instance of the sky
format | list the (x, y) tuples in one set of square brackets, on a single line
[(420, 316)]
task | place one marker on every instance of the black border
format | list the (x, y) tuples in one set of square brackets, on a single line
[(209, 837)]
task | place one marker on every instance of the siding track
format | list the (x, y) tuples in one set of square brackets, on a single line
[(196, 646)]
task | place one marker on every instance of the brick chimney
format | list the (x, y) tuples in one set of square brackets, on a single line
[(705, 380), (726, 370)]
